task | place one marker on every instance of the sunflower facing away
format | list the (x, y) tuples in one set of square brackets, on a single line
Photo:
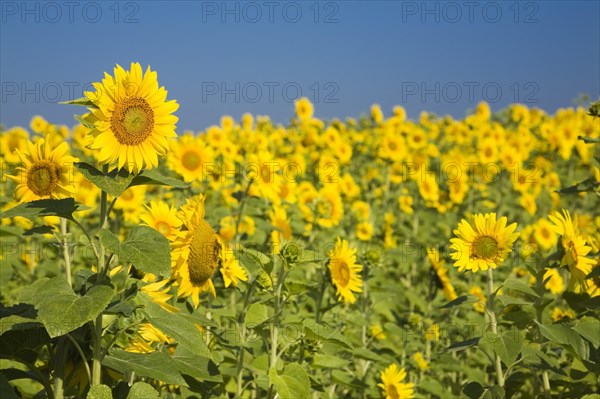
[(393, 386), (196, 255), (45, 173), (133, 120), (484, 246), (574, 246), (345, 273)]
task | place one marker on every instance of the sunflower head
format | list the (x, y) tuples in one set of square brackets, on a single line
[(393, 385), (484, 246), (45, 172), (345, 272), (132, 119)]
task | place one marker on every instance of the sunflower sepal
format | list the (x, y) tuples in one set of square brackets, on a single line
[(83, 101)]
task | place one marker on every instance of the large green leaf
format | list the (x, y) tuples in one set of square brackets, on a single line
[(145, 248), (196, 366), (507, 346), (292, 384), (156, 365), (461, 300), (257, 314), (18, 317), (566, 336), (114, 182), (99, 392), (47, 207), (185, 332), (517, 285), (151, 177), (61, 310), (459, 346), (589, 328), (141, 390), (83, 101)]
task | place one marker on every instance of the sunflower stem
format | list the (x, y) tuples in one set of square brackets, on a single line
[(274, 328), (59, 369), (65, 245), (97, 357), (493, 323)]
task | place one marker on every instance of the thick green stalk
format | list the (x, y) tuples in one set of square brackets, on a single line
[(494, 324), (97, 357), (65, 245)]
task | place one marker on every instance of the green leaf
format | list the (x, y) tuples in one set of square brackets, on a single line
[(566, 336), (292, 384), (114, 182), (82, 120), (196, 366), (6, 391), (588, 185), (83, 101), (256, 314), (516, 285), (461, 300), (156, 365), (459, 346), (48, 207), (145, 248), (328, 362), (18, 317), (61, 310), (152, 177), (473, 390), (589, 140), (316, 331), (141, 390), (589, 328), (186, 333), (507, 346), (39, 230), (99, 392)]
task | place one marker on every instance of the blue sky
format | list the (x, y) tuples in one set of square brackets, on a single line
[(233, 57)]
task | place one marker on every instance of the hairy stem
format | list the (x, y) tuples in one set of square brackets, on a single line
[(493, 323)]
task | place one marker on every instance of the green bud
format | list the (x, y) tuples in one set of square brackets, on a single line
[(291, 253)]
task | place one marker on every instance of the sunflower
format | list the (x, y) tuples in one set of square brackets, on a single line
[(304, 109), (195, 255), (190, 158), (485, 246), (555, 281), (158, 292), (46, 172), (441, 273), (132, 119), (345, 272), (422, 364), (12, 140), (393, 386), (130, 201), (544, 234), (364, 231), (477, 292), (282, 230), (162, 218), (231, 270), (329, 208), (574, 247)]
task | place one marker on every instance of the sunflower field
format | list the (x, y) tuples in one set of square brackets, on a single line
[(376, 257)]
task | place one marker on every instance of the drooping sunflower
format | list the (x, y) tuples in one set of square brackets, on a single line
[(133, 119), (393, 385), (441, 273), (345, 272), (574, 247), (197, 254), (485, 246), (46, 172), (162, 218)]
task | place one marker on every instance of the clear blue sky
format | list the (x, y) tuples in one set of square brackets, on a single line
[(220, 58)]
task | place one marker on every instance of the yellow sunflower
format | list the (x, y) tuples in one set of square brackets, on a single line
[(574, 247), (162, 218), (484, 246), (441, 272), (130, 202), (133, 120), (393, 385), (544, 234), (231, 270), (12, 140), (345, 272), (191, 158), (304, 109), (329, 208), (46, 172), (195, 255), (158, 292), (364, 231)]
